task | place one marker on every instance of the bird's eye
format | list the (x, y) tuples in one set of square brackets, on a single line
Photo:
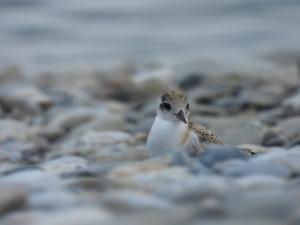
[(187, 107), (165, 106)]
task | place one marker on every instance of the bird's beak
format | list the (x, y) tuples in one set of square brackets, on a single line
[(180, 115)]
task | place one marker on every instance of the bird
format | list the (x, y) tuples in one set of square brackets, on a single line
[(173, 130)]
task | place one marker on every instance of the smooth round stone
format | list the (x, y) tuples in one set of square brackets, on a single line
[(229, 104), (75, 216), (52, 199), (180, 158), (254, 149), (92, 141), (215, 153), (292, 104), (259, 182), (226, 167), (272, 116), (12, 197), (25, 97), (121, 153), (142, 172), (200, 169), (295, 148), (272, 204), (191, 80), (106, 146), (5, 167), (15, 130), (86, 117), (285, 158), (238, 130), (72, 117), (211, 207), (274, 138), (96, 184), (190, 189), (256, 167), (23, 152), (107, 122), (262, 98), (31, 179), (65, 164), (132, 200), (291, 129)]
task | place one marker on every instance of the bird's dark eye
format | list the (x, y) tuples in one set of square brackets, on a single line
[(165, 106), (187, 107)]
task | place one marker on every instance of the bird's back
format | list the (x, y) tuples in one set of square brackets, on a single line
[(205, 136)]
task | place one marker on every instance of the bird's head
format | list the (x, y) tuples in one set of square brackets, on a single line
[(174, 106)]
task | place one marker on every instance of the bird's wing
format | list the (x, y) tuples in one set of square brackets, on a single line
[(204, 134)]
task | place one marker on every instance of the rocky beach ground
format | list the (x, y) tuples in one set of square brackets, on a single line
[(72, 149)]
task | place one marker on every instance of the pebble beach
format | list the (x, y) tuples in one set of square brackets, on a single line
[(80, 83), (72, 149)]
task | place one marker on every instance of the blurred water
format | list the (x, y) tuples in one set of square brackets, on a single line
[(53, 34)]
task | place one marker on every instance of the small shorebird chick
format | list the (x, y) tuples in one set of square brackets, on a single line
[(172, 130)]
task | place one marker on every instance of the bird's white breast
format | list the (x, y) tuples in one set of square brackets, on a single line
[(165, 137)]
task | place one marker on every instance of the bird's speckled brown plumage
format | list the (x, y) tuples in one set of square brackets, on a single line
[(174, 96), (204, 134)]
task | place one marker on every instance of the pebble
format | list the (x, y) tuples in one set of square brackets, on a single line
[(31, 179), (15, 130), (261, 98), (52, 200), (273, 204), (254, 129), (26, 98), (130, 201), (191, 80), (260, 182), (104, 146), (191, 189), (64, 164), (215, 153), (255, 167), (12, 197), (86, 119), (291, 105), (291, 130), (75, 216), (20, 151), (288, 159), (254, 149), (182, 159)]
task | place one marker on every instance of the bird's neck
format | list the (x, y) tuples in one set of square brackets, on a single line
[(169, 124)]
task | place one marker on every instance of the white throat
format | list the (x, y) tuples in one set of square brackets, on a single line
[(165, 136)]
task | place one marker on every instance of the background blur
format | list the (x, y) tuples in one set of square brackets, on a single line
[(56, 34)]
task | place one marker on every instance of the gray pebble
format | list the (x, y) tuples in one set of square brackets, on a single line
[(256, 167), (12, 197), (215, 153)]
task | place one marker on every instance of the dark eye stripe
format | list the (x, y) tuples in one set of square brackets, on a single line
[(165, 106)]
